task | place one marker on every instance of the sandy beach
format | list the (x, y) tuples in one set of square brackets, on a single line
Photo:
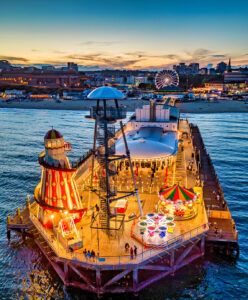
[(67, 104), (221, 106)]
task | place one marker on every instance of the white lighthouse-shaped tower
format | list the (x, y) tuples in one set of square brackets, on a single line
[(57, 193)]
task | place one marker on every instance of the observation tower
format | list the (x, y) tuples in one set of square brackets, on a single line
[(106, 114)]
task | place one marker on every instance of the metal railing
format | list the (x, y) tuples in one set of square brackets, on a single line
[(81, 159), (111, 113), (116, 260)]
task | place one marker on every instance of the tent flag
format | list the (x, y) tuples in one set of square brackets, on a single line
[(177, 193)]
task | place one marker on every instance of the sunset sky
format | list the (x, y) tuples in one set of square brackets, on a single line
[(124, 34)]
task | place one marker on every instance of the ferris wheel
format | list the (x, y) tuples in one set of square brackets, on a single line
[(165, 78)]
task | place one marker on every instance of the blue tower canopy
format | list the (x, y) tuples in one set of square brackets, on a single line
[(105, 93)]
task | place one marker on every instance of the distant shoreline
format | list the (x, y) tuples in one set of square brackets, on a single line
[(67, 104), (198, 107), (219, 106)]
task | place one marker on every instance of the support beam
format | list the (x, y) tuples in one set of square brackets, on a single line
[(56, 267), (155, 268), (66, 273), (188, 261), (98, 278), (117, 277), (94, 153), (185, 253), (203, 245), (135, 278), (130, 162), (152, 280), (81, 286), (172, 262), (82, 276)]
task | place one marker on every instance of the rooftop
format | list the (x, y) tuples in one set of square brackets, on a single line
[(148, 142)]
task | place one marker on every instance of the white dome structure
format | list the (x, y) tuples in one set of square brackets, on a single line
[(105, 93), (148, 143)]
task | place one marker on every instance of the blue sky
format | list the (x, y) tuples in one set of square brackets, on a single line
[(124, 34)]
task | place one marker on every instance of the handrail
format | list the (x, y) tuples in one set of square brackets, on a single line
[(81, 159), (121, 259)]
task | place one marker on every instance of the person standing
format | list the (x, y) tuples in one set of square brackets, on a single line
[(135, 251), (131, 252)]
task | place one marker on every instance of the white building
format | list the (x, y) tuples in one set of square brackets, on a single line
[(13, 94), (152, 133)]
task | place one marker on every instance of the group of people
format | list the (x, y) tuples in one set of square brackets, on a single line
[(216, 230), (190, 165), (89, 254), (131, 250), (221, 201)]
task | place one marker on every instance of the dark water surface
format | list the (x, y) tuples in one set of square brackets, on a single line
[(24, 272)]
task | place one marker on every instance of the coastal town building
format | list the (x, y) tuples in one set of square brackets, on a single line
[(236, 76), (8, 94), (221, 67), (42, 78), (214, 85), (72, 66), (182, 68), (4, 65), (203, 71)]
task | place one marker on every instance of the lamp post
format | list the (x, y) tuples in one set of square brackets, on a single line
[(142, 233), (98, 254), (142, 246)]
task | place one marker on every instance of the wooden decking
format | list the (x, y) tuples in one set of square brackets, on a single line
[(222, 226)]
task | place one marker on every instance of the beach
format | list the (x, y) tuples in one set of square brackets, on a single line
[(218, 106), (196, 107), (67, 104)]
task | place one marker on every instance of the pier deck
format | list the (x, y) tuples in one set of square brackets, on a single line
[(222, 226), (108, 271)]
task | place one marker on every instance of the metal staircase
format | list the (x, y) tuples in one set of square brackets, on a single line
[(105, 154)]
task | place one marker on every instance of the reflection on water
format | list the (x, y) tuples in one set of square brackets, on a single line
[(25, 273)]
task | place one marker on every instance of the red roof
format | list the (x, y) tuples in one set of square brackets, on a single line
[(53, 134)]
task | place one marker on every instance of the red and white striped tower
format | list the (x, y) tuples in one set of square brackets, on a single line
[(58, 194)]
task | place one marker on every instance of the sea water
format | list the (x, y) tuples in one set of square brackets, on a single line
[(25, 273)]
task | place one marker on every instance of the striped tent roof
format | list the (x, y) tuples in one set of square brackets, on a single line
[(177, 193), (53, 134)]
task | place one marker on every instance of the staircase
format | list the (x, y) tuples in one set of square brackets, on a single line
[(180, 176), (104, 216)]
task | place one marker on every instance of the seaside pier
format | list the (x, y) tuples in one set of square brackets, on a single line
[(156, 194)]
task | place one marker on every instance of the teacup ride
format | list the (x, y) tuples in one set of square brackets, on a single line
[(162, 232), (169, 219), (151, 215), (170, 224), (151, 230), (142, 224)]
